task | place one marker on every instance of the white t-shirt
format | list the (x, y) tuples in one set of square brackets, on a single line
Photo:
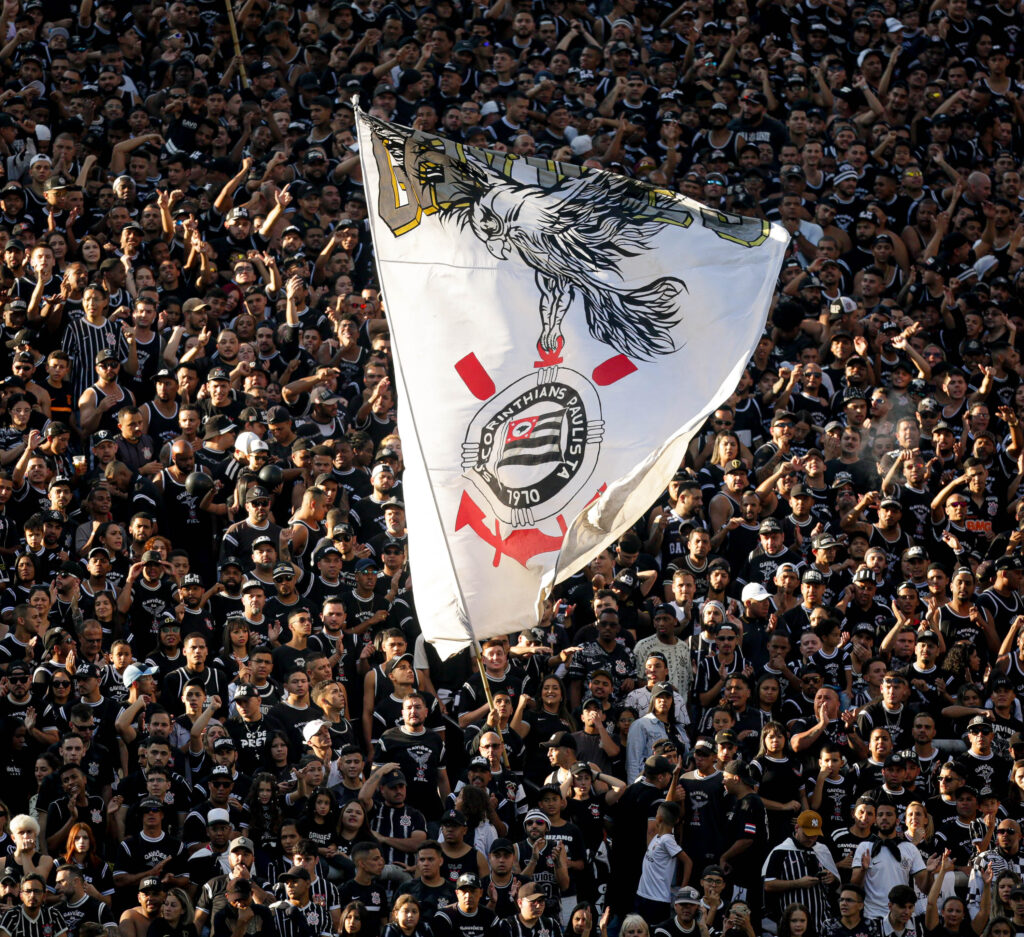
[(659, 868), (885, 873)]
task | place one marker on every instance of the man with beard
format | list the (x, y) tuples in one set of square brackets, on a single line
[(78, 907), (186, 518), (886, 861), (370, 511), (239, 538), (420, 753)]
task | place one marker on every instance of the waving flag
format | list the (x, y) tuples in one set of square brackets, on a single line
[(559, 334)]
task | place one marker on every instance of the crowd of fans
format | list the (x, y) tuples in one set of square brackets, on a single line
[(786, 702)]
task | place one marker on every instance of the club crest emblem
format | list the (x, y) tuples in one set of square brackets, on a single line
[(532, 446)]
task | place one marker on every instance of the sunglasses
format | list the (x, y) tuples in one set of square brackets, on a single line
[(979, 730), (260, 504), (60, 684)]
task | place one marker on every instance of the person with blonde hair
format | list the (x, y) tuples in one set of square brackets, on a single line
[(26, 859)]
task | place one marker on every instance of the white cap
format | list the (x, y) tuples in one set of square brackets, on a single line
[(754, 592), (489, 107), (582, 144), (311, 728), (39, 158), (218, 815), (43, 133), (893, 25), (248, 442)]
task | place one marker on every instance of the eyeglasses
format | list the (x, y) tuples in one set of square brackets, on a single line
[(31, 891)]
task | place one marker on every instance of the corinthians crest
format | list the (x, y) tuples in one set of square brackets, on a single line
[(532, 447)]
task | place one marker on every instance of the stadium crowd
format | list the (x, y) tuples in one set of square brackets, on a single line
[(787, 702)]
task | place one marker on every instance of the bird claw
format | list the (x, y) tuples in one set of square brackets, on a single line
[(549, 356)]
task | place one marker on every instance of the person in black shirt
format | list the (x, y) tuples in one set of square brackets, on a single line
[(257, 919), (501, 887), (366, 886), (530, 921), (746, 836), (430, 888), (465, 918)]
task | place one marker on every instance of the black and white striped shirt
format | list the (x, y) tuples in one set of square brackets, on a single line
[(47, 923), (83, 342), (514, 927), (312, 920), (788, 862)]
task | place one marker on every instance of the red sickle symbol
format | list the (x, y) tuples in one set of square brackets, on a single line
[(520, 545)]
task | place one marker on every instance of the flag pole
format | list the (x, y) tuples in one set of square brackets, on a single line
[(238, 48), (478, 653)]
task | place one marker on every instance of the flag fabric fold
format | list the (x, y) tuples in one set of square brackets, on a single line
[(559, 334)]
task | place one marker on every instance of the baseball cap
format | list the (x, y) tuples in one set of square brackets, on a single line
[(754, 592), (686, 895), (218, 815), (134, 672), (311, 728), (560, 740), (809, 822)]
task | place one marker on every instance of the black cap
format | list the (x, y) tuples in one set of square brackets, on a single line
[(453, 818), (560, 740)]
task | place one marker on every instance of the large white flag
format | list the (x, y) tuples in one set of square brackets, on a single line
[(559, 334)]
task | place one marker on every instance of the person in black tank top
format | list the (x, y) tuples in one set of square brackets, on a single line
[(161, 429), (108, 420)]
